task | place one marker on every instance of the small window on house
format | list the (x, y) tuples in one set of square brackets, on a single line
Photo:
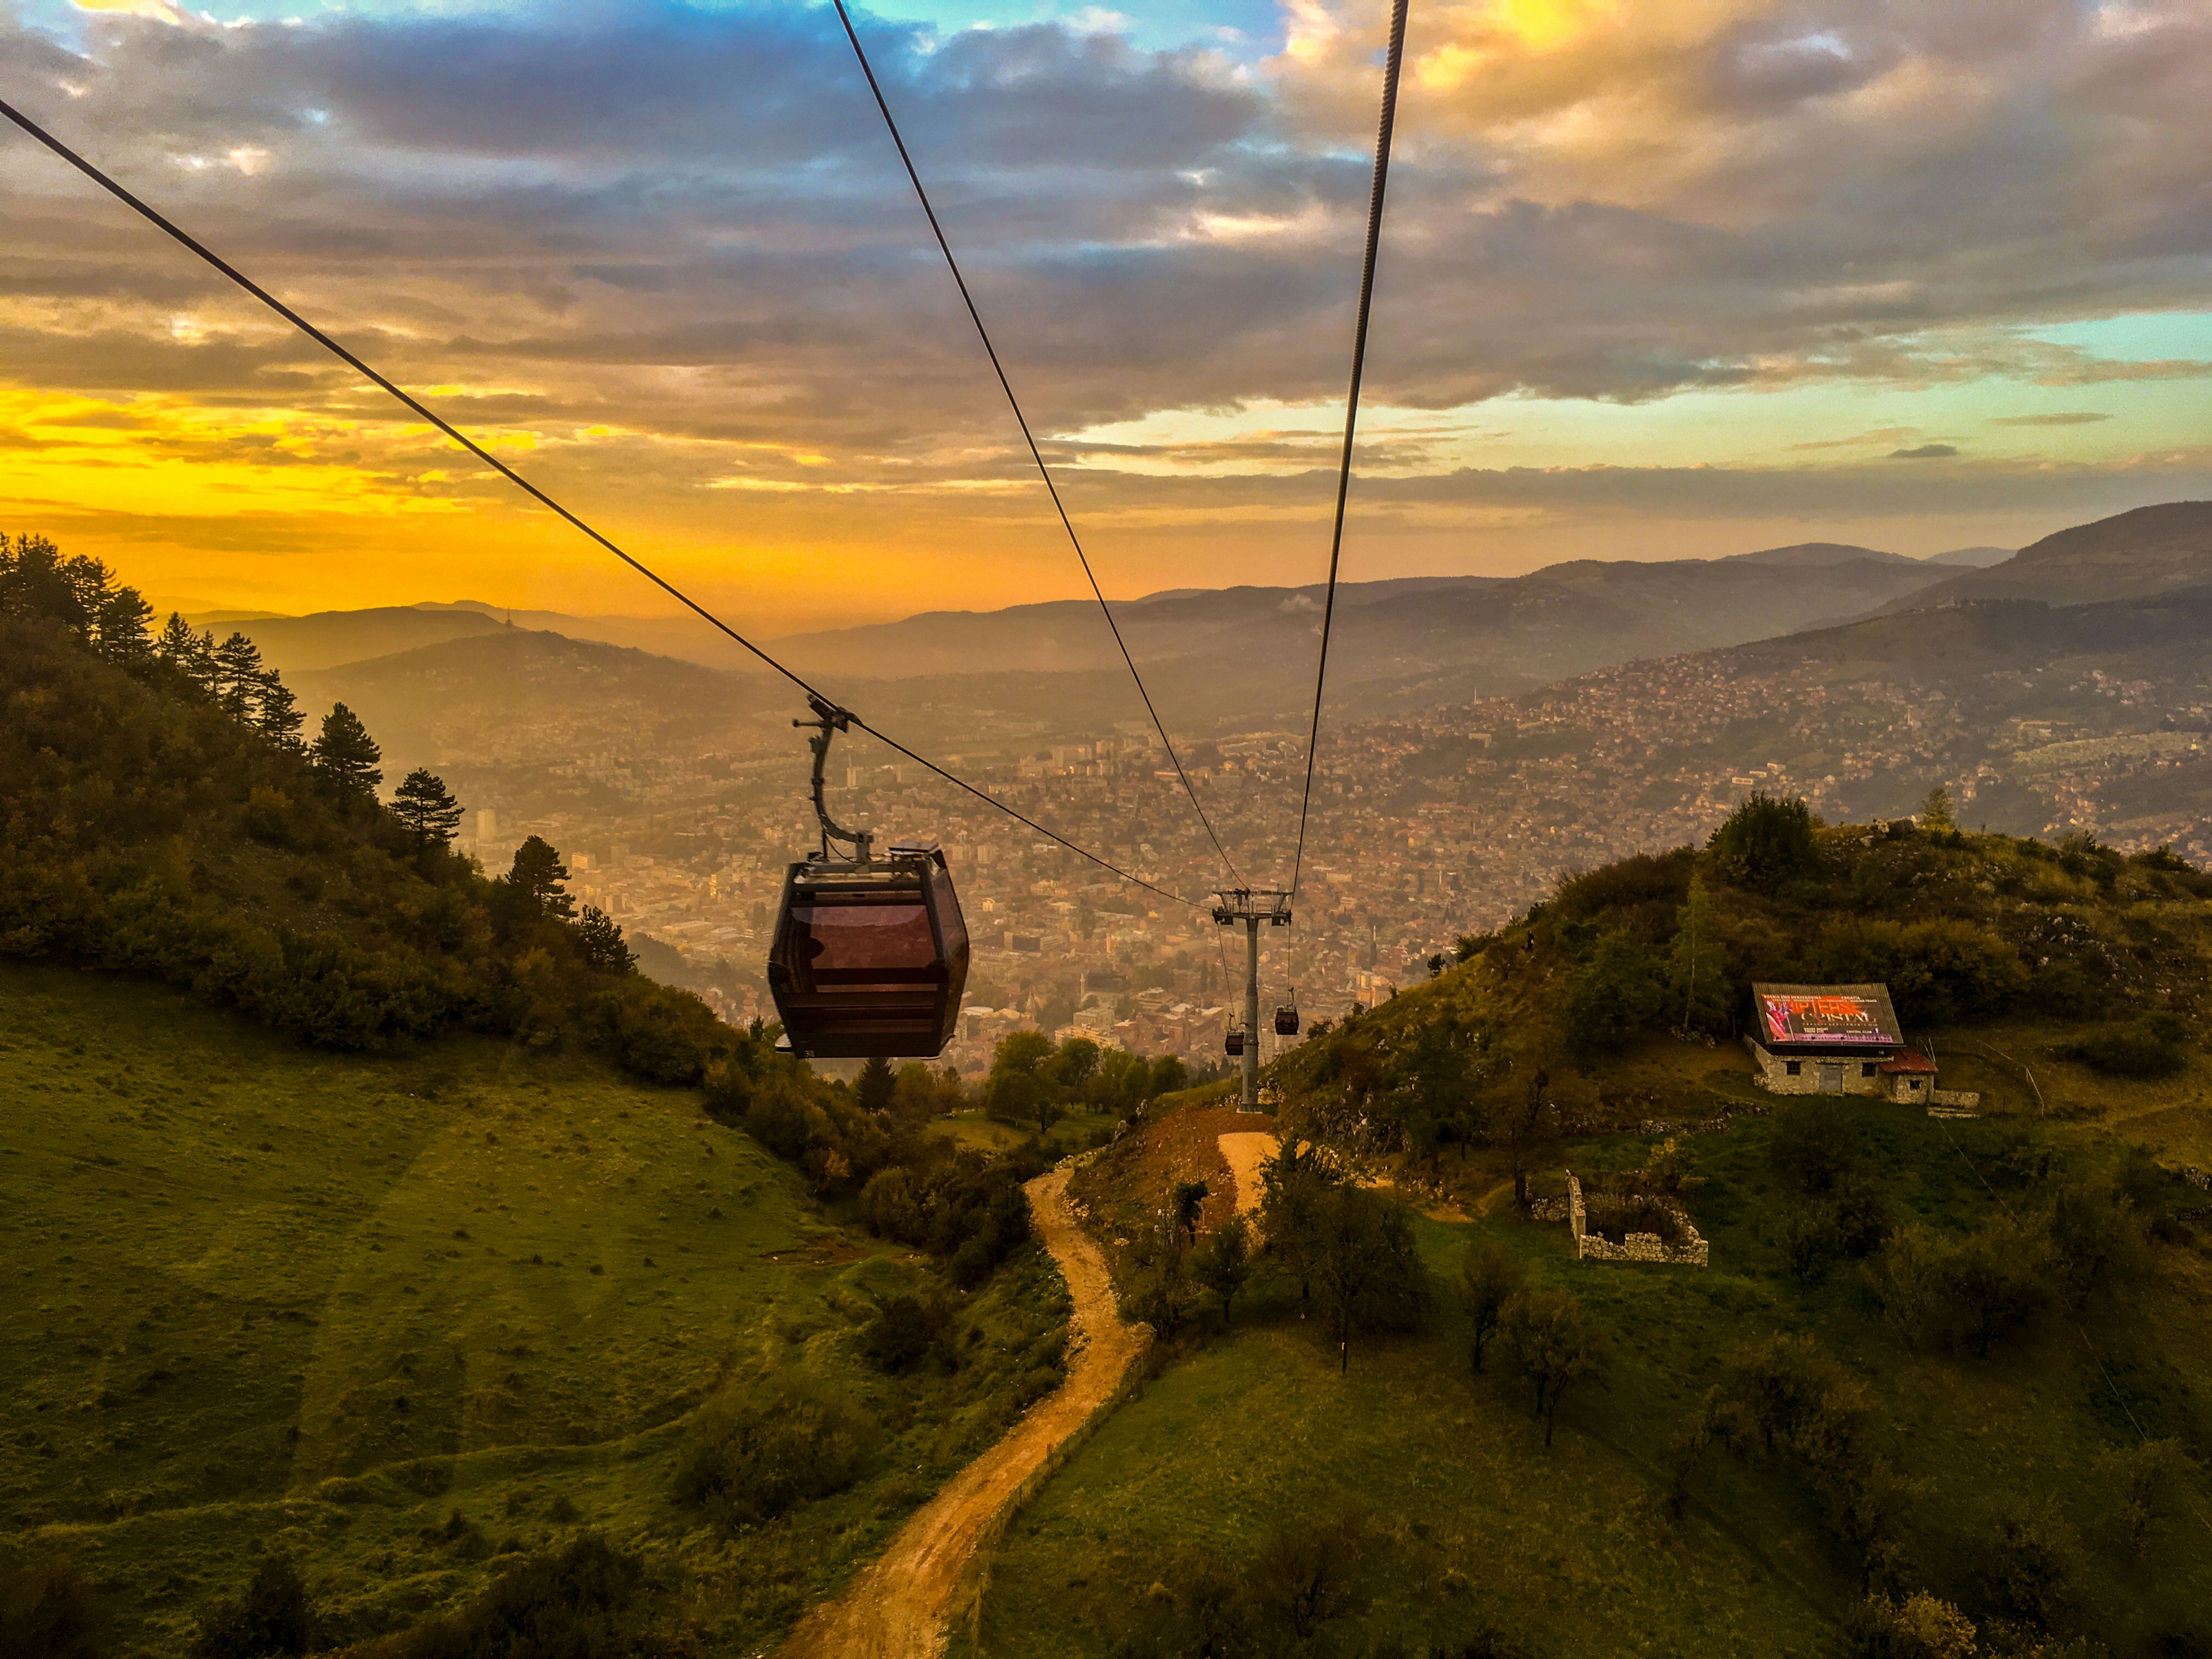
[(1867, 1068), (1916, 1082), (1797, 1068)]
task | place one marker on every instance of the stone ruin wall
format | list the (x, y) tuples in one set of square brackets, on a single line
[(1637, 1247)]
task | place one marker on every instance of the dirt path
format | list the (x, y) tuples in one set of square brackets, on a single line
[(1246, 1153), (897, 1608)]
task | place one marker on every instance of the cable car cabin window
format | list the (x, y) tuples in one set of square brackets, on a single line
[(859, 940)]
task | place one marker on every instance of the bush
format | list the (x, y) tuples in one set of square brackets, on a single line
[(904, 1331), (1962, 1294), (2033, 1560), (271, 1617), (1815, 1143), (1939, 972), (1764, 842), (1919, 1627), (1614, 994), (49, 1612), (2141, 1051), (787, 1444), (585, 1602)]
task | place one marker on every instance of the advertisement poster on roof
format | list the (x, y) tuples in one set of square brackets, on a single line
[(1828, 1017)]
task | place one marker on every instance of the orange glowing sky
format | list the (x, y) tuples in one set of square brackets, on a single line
[(1657, 282)]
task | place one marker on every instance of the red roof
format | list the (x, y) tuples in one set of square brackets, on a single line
[(1908, 1059)]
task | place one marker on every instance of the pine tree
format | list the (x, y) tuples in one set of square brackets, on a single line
[(600, 942), (1697, 969), (1936, 814), (345, 757), (237, 675), (121, 624), (876, 1085), (278, 711), (176, 644), (428, 809), (537, 875)]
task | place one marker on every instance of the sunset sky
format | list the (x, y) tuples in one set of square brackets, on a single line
[(1658, 280)]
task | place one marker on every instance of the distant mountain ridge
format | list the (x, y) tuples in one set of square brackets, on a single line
[(2134, 554)]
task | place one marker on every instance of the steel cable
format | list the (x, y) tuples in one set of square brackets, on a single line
[(1351, 403), (1043, 471), (186, 240)]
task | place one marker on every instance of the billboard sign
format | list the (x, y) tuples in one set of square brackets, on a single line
[(1828, 1017)]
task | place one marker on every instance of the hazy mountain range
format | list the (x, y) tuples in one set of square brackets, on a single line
[(457, 685)]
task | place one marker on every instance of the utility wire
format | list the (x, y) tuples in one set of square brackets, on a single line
[(529, 489), (1352, 402), (1022, 421)]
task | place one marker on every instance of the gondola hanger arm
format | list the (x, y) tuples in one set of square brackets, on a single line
[(829, 718)]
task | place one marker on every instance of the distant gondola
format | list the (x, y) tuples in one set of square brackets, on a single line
[(871, 954), (1233, 1041), (1286, 1016)]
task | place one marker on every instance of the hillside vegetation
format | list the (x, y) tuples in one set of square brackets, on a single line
[(1941, 1391), (421, 1323)]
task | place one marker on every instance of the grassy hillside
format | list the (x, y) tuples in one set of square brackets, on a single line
[(410, 1318), (2050, 1490)]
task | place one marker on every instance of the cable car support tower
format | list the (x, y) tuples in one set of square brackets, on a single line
[(1249, 907)]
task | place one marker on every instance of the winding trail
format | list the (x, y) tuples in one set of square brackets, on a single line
[(899, 1606)]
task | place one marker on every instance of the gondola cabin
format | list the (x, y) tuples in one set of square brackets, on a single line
[(1287, 1020), (1233, 1041), (870, 957)]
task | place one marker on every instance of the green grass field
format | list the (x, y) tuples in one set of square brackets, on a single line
[(1571, 1553), (1070, 1134), (264, 1297)]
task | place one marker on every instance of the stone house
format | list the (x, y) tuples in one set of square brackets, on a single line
[(1832, 1040)]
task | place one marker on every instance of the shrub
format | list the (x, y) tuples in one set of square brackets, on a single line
[(905, 1329), (587, 1600), (1815, 1143), (2140, 1051), (1939, 972), (271, 1617), (1919, 1627), (1617, 992), (2145, 1485), (1959, 1294), (49, 1612), (2033, 1560), (1764, 842), (754, 1459)]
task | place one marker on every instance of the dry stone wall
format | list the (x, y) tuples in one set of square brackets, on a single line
[(1691, 1252)]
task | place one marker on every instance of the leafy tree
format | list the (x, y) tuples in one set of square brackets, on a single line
[(599, 943), (428, 809), (1360, 1251), (2034, 1561), (536, 878), (1224, 1263), (1168, 1074), (2147, 1484), (1918, 1628), (1613, 994), (1313, 1574), (1489, 1277), (237, 676), (1962, 1293), (345, 757), (1935, 811), (876, 1085), (1552, 1343), (1765, 841), (1076, 1064), (1529, 1128), (1697, 966)]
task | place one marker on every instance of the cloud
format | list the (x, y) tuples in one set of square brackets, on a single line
[(686, 225), (1924, 452), (2081, 417)]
